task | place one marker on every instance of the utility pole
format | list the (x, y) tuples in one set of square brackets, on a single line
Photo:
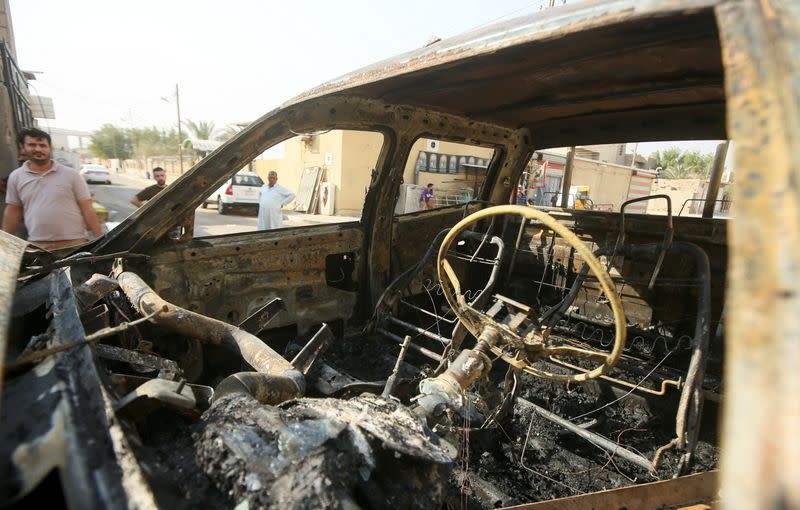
[(180, 132), (567, 182), (635, 151), (717, 168)]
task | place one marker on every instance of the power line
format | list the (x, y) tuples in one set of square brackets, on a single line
[(540, 3)]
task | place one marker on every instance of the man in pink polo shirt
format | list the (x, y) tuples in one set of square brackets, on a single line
[(52, 199)]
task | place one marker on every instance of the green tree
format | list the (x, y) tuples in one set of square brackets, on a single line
[(111, 142), (171, 141), (201, 130), (151, 141), (147, 142), (676, 163)]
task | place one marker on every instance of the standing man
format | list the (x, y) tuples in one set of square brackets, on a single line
[(53, 200), (271, 199), (426, 199), (149, 192), (538, 175)]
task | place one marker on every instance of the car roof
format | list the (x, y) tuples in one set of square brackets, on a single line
[(591, 72)]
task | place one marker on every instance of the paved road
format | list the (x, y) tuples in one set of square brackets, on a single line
[(116, 197)]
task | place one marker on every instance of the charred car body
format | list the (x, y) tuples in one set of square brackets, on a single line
[(542, 354)]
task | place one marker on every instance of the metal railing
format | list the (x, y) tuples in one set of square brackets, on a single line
[(544, 200), (17, 86), (723, 205), (453, 197)]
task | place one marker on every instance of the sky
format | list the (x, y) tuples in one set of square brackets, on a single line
[(119, 62)]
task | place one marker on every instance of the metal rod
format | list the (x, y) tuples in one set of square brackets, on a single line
[(723, 200), (690, 407), (620, 382), (596, 439), (567, 182), (428, 312), (714, 180), (425, 352), (258, 320), (417, 329), (471, 258), (665, 244), (305, 359), (484, 294), (390, 382), (72, 260), (517, 242), (251, 348), (97, 335)]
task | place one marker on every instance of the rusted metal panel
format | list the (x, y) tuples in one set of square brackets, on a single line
[(668, 494), (63, 419), (12, 249), (760, 441), (230, 277), (259, 319), (571, 62), (540, 26)]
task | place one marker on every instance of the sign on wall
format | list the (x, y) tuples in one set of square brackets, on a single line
[(448, 163)]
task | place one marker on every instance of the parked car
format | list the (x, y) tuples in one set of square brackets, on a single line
[(95, 173), (241, 190)]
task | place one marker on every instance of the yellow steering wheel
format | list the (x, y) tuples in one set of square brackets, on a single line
[(531, 348)]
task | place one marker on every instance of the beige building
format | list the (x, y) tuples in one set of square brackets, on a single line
[(608, 153), (451, 167), (347, 159), (689, 196), (610, 185)]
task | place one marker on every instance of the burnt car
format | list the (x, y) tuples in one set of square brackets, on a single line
[(475, 354)]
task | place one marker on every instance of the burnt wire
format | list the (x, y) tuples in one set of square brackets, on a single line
[(626, 394), (402, 278), (550, 250), (508, 395), (610, 457), (522, 463), (433, 306), (124, 316), (645, 344)]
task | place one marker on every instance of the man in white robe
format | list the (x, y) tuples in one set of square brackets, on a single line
[(271, 199)]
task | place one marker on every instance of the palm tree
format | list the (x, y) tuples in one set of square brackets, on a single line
[(678, 170), (678, 164), (201, 130), (229, 132)]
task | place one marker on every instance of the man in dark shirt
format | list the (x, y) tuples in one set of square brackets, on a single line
[(149, 192)]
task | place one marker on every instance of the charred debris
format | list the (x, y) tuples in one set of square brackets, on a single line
[(523, 357)]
